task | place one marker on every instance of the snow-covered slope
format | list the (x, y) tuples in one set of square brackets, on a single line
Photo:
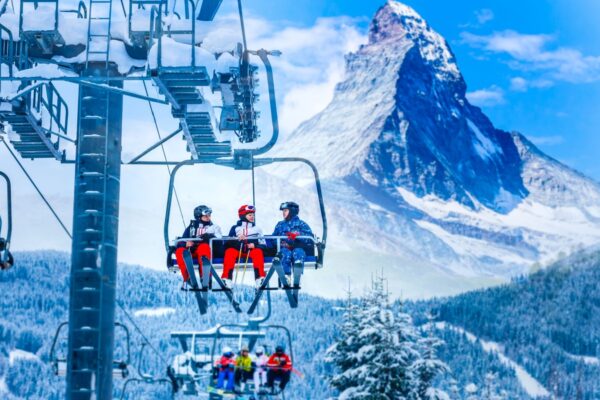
[(531, 386), (412, 170)]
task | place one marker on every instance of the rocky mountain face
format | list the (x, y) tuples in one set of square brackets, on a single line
[(413, 170)]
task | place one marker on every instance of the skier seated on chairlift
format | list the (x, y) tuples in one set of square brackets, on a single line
[(6, 259), (250, 244), (280, 368), (226, 368), (260, 368), (243, 368), (203, 229), (293, 250)]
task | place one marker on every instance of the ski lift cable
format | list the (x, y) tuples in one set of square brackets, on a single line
[(137, 328), (36, 188), (253, 186), (162, 147), (242, 25)]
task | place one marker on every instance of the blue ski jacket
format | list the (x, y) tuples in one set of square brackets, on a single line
[(293, 225)]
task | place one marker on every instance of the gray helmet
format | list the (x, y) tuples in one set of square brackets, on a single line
[(202, 210)]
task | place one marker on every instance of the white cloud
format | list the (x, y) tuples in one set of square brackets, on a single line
[(546, 140), (489, 97), (311, 65), (520, 84), (532, 53), (484, 15)]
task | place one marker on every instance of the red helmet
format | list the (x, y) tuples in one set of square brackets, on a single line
[(246, 209)]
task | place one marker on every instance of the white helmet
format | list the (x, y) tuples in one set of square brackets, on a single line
[(260, 350), (227, 350)]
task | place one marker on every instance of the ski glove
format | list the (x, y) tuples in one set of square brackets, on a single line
[(292, 235), (206, 237)]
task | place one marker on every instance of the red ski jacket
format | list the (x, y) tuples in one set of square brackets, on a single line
[(281, 361), (226, 362)]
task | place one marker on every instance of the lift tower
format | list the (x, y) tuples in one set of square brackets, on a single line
[(95, 238)]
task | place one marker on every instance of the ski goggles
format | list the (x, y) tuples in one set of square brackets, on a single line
[(206, 211)]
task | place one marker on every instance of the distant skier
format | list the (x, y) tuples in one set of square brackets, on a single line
[(293, 250), (260, 369), (250, 245), (226, 368), (280, 368), (243, 368), (202, 229)]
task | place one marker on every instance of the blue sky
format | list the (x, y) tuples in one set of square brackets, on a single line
[(541, 90)]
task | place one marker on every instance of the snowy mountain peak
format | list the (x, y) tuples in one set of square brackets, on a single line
[(401, 120), (395, 20), (400, 142)]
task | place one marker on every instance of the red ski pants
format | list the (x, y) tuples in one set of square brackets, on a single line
[(231, 256), (203, 249)]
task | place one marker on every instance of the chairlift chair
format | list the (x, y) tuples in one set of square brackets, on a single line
[(194, 367), (315, 255), (59, 362)]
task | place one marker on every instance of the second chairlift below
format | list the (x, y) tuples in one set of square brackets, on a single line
[(285, 253)]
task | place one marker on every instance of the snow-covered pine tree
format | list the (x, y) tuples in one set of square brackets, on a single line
[(342, 354), (387, 348), (429, 366), (377, 356)]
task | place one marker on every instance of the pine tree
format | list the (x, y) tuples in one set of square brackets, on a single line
[(378, 355), (343, 352), (427, 368)]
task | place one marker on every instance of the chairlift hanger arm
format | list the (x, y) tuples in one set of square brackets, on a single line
[(9, 208), (53, 347), (120, 325), (170, 198)]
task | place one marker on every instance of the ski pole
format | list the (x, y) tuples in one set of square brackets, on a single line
[(245, 265), (300, 374), (235, 267)]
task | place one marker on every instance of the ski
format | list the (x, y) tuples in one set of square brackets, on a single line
[(200, 296), (298, 270)]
